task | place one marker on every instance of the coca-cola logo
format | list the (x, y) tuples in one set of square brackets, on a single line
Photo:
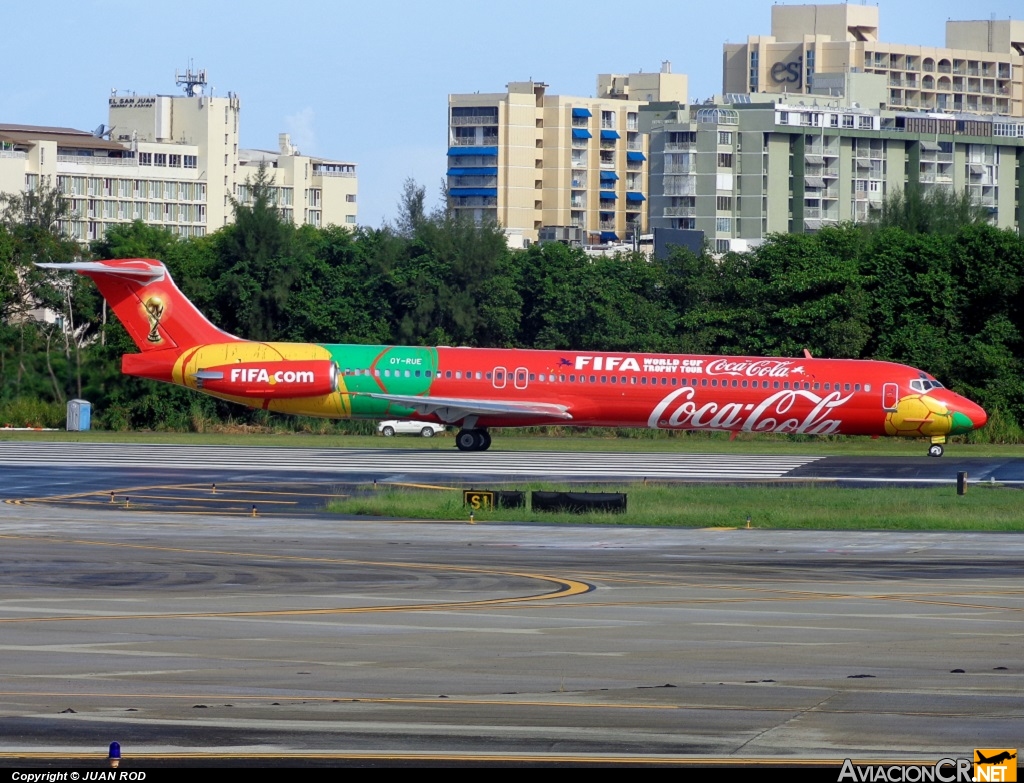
[(753, 368), (790, 410)]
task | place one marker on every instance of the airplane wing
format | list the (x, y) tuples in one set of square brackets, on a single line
[(453, 409)]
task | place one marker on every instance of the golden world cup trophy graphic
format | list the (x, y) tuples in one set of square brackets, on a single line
[(154, 312)]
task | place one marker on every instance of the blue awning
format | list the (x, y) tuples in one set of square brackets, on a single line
[(609, 236), (473, 171), (460, 152), (608, 194), (634, 156), (580, 133), (609, 176), (610, 134), (581, 113), (468, 192), (635, 197)]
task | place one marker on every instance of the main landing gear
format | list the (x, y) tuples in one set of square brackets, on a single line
[(473, 440)]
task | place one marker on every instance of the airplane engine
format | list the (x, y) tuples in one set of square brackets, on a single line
[(271, 380)]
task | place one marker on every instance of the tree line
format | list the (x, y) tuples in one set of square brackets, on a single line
[(941, 293)]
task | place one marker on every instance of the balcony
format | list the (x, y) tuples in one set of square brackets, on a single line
[(473, 141), (679, 212), (88, 160), (17, 154), (322, 173), (491, 119), (681, 146)]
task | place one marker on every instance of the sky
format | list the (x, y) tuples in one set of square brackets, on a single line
[(368, 82)]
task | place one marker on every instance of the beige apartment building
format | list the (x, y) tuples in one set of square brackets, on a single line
[(572, 166), (981, 69), (740, 171), (169, 161)]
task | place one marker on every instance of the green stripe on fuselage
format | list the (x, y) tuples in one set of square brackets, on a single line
[(392, 370)]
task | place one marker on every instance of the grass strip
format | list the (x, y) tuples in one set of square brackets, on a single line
[(772, 506)]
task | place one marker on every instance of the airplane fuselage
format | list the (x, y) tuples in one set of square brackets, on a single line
[(659, 391)]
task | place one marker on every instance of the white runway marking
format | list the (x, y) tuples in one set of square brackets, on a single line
[(378, 463)]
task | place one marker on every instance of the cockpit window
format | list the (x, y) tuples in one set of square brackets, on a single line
[(925, 384)]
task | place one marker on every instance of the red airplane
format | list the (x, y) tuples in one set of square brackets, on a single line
[(479, 388)]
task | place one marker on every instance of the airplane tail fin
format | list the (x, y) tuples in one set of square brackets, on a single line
[(152, 308)]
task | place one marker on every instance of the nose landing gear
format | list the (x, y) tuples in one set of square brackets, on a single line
[(935, 450)]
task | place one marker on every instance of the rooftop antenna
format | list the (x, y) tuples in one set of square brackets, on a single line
[(191, 80)]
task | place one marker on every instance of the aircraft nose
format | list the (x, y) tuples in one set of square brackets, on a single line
[(967, 416)]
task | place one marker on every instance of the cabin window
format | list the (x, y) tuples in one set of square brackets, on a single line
[(488, 376), (417, 373), (479, 376), (777, 384), (614, 379), (867, 387), (458, 374), (561, 378), (408, 374), (604, 379), (500, 375), (643, 381), (427, 373), (784, 385), (664, 381), (847, 387), (714, 381), (387, 373), (744, 384), (521, 377), (532, 376), (572, 378), (632, 379), (675, 381), (593, 379)]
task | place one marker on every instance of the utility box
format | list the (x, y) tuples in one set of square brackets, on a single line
[(79, 415)]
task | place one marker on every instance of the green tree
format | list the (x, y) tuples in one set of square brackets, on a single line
[(31, 225), (936, 211), (256, 263)]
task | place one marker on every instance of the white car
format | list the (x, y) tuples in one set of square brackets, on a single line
[(396, 427)]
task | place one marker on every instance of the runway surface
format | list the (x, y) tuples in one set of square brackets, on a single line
[(35, 469), (295, 637)]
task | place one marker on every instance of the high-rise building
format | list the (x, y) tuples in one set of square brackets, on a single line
[(740, 171), (981, 70), (529, 160), (169, 161)]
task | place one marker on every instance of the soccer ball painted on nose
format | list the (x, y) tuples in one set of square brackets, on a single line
[(918, 415)]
